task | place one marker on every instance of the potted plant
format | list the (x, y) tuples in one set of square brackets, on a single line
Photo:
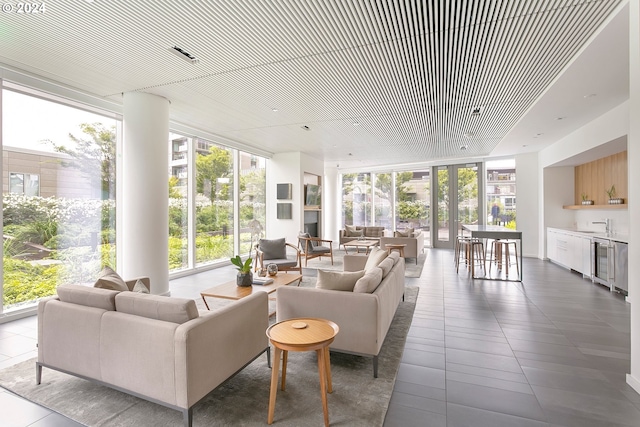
[(613, 200), (585, 199), (245, 276)]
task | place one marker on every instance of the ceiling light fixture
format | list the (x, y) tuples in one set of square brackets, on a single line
[(468, 134), (305, 127), (275, 110), (560, 118), (591, 95), (464, 147), (476, 111), (183, 54)]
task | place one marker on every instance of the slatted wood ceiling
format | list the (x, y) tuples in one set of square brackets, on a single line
[(409, 72)]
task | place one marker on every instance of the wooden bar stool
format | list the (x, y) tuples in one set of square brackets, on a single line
[(501, 254), (476, 254)]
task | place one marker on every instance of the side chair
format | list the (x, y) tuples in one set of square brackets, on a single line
[(312, 247)]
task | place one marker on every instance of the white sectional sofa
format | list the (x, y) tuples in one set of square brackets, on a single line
[(364, 318), (158, 348)]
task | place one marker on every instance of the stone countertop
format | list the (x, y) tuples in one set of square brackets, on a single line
[(616, 237)]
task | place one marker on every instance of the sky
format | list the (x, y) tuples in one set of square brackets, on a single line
[(27, 121)]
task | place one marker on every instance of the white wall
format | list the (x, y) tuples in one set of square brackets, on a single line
[(611, 125), (633, 155), (285, 168), (527, 212), (558, 188)]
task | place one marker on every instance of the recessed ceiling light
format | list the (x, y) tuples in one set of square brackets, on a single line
[(180, 53), (305, 127), (356, 123), (275, 110), (591, 95), (464, 147), (468, 134), (524, 145), (560, 118)]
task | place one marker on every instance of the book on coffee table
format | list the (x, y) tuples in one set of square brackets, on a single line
[(262, 281)]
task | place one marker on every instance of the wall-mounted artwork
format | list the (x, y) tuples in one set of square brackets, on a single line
[(284, 210), (284, 191)]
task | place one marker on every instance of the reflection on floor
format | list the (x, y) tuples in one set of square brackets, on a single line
[(551, 351)]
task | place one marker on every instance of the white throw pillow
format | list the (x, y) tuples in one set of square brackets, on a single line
[(352, 231), (369, 282), (338, 280), (375, 257), (140, 287)]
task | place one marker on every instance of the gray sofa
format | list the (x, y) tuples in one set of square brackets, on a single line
[(155, 347), (368, 233), (414, 245), (364, 318)]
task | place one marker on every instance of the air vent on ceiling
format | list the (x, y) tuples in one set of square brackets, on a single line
[(183, 54), (476, 111)]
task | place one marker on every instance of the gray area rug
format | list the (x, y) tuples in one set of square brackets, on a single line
[(358, 399), (412, 269)]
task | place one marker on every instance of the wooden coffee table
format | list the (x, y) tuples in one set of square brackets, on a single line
[(367, 244), (230, 290), (302, 334)]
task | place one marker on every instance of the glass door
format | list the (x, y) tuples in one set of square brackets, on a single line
[(457, 201)]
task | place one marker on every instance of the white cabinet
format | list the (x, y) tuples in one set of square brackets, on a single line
[(569, 250), (586, 256)]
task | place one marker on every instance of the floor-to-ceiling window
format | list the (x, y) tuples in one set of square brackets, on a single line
[(413, 201), (252, 200), (180, 147), (383, 199), (203, 225), (214, 201), (501, 192), (356, 199), (58, 198)]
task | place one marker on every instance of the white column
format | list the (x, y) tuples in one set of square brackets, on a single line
[(633, 152), (331, 205), (145, 190)]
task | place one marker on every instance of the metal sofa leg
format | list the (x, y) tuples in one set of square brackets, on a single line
[(187, 415), (269, 357), (375, 366), (38, 373)]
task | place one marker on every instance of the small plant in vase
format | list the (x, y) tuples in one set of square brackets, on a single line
[(613, 200), (585, 199), (245, 276)]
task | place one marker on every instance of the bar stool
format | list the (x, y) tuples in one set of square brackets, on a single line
[(500, 248), (476, 254), (461, 248)]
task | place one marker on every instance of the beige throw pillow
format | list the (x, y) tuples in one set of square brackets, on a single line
[(375, 257), (369, 282), (395, 256), (109, 279), (352, 231), (338, 280), (386, 265)]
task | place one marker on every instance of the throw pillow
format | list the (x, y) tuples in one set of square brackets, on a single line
[(140, 287), (375, 257), (273, 248), (400, 234), (395, 256), (312, 243), (109, 279), (369, 282), (352, 231), (338, 280), (386, 265)]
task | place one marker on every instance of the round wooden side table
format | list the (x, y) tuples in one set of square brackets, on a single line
[(302, 334), (398, 247)]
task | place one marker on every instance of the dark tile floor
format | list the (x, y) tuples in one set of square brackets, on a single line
[(550, 351)]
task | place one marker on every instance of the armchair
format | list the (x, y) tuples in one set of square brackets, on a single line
[(311, 247), (274, 251)]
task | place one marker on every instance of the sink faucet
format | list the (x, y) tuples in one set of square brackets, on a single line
[(607, 224)]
